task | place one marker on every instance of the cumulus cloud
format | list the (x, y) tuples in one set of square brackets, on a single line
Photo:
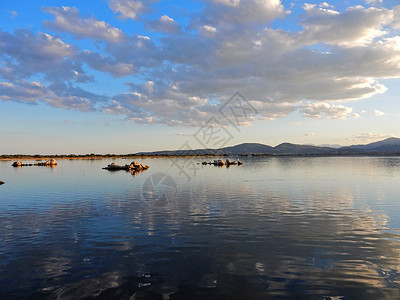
[(23, 54), (378, 113), (56, 95), (139, 51), (68, 19), (106, 64), (24, 91), (316, 110), (182, 78), (243, 11), (357, 26), (163, 24), (154, 105), (208, 30), (131, 9)]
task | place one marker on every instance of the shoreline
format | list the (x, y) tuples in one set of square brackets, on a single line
[(140, 156)]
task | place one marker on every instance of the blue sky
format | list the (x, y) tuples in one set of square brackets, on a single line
[(123, 76)]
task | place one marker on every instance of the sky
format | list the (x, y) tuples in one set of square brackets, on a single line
[(124, 76)]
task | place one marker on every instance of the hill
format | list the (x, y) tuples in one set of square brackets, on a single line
[(387, 146)]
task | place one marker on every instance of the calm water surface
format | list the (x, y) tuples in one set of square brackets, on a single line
[(273, 228)]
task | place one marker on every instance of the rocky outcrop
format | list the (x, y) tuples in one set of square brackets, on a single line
[(220, 162), (137, 167), (17, 164), (51, 162), (133, 167), (228, 162)]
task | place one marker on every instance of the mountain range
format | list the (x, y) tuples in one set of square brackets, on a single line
[(388, 146)]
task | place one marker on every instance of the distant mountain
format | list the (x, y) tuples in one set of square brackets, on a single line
[(293, 149), (248, 148), (387, 146), (330, 145)]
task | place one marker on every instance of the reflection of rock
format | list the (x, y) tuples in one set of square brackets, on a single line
[(1, 182), (135, 172)]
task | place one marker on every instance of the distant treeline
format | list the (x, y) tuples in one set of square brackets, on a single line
[(94, 156), (127, 156)]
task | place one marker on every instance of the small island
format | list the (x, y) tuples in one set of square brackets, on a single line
[(49, 163), (220, 162), (134, 166)]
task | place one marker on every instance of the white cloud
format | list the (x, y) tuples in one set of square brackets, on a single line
[(357, 26), (242, 11), (368, 137), (68, 19), (316, 110), (60, 96), (208, 30), (24, 54), (336, 57), (325, 4), (378, 113), (25, 91), (131, 9), (163, 24)]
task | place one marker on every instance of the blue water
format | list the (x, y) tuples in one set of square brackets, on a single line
[(273, 228)]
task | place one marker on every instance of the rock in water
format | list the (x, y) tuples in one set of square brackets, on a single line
[(51, 162), (2, 182), (17, 164)]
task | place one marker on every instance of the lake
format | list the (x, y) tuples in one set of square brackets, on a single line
[(273, 228)]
